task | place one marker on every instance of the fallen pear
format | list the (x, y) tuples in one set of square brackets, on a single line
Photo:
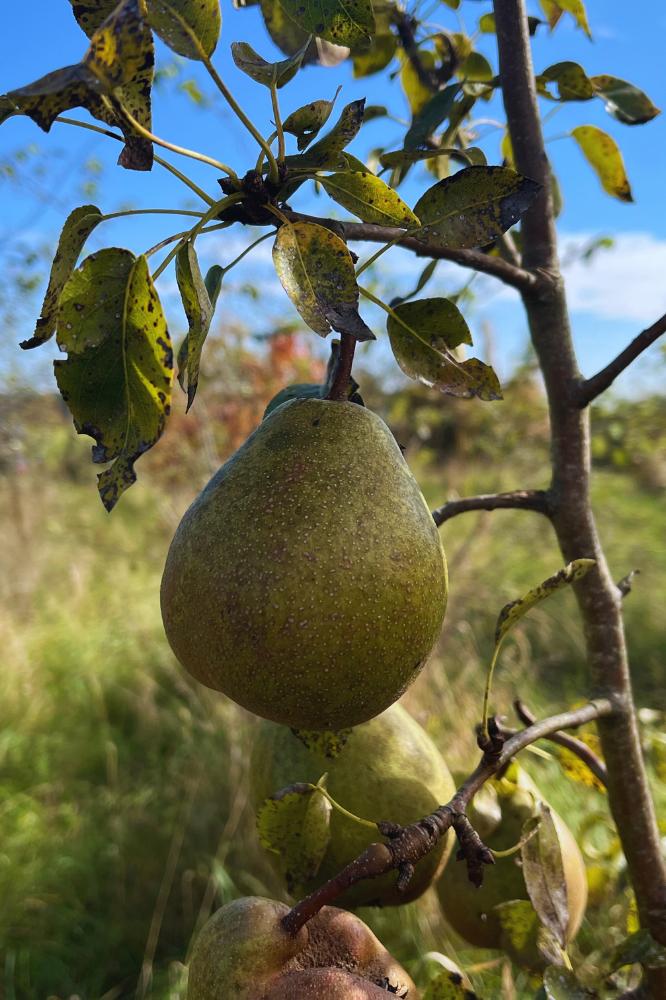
[(388, 768), (307, 581), (469, 910), (245, 953)]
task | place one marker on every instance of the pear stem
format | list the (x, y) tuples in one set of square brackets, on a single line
[(339, 390)]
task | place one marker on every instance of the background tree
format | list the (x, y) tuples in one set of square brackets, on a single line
[(118, 350)]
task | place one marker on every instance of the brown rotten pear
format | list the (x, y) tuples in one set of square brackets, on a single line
[(307, 581), (244, 953), (389, 769), (471, 911)]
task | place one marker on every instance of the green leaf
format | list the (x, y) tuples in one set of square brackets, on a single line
[(295, 823), (187, 26), (515, 610), (376, 56), (639, 948), (571, 82), (344, 22), (543, 870), (199, 312), (326, 153), (404, 157), (476, 68), (474, 207), (317, 273), (561, 984), (623, 100), (116, 380), (449, 985), (604, 156), (369, 198), (306, 122), (264, 72), (422, 335), (78, 227), (431, 116), (524, 938)]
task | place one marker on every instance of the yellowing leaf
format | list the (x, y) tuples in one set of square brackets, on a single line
[(415, 90), (553, 10), (369, 198), (344, 22), (422, 335), (306, 122), (524, 938), (116, 380), (78, 227), (295, 823), (604, 156), (515, 610), (90, 14), (570, 79), (575, 768), (327, 152), (317, 273), (117, 53)]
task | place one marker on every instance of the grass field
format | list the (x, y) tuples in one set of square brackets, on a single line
[(122, 783)]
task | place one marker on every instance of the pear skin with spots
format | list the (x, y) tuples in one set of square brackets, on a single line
[(307, 581)]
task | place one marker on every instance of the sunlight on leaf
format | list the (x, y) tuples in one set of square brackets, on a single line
[(306, 122), (604, 156), (186, 25), (515, 610), (369, 198), (295, 824), (344, 22)]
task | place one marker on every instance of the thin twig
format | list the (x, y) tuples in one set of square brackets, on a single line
[(516, 277), (594, 386), (339, 389), (407, 845), (536, 500), (577, 747)]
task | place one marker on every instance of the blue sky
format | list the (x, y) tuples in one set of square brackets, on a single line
[(621, 291)]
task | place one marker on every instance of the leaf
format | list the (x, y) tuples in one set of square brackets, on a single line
[(487, 24), (423, 333), (639, 948), (90, 14), (322, 742), (543, 870), (449, 985), (575, 768), (415, 90), (369, 198), (571, 81), (423, 279), (561, 984), (326, 153), (344, 22), (306, 122), (377, 56), (116, 380), (604, 156), (431, 116), (623, 100), (474, 206), (78, 227), (187, 26), (515, 610), (317, 273), (403, 157), (525, 940), (553, 10), (264, 72), (476, 68), (290, 37), (295, 823), (199, 312)]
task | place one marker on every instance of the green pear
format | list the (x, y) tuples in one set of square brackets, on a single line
[(244, 953), (469, 910), (307, 581), (389, 769)]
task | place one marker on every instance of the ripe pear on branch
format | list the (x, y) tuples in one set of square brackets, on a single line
[(307, 581), (476, 914), (388, 769), (244, 953)]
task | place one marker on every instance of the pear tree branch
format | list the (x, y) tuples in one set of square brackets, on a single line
[(577, 747), (407, 845), (589, 389), (536, 500)]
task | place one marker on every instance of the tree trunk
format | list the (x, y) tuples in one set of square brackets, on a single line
[(598, 598)]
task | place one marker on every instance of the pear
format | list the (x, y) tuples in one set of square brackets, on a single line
[(244, 953), (388, 769), (469, 910), (307, 581)]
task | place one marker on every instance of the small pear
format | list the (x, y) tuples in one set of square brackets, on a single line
[(244, 953), (469, 910), (389, 769), (307, 581)]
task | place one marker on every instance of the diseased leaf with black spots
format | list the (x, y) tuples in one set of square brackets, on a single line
[(369, 198), (423, 334), (199, 312), (603, 154), (571, 82), (78, 227), (290, 36), (317, 273), (258, 69), (306, 122), (474, 206), (344, 22), (623, 100), (90, 14), (116, 379), (295, 824), (515, 610), (189, 27), (327, 152)]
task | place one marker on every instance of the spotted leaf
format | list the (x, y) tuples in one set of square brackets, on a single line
[(604, 156), (199, 308), (306, 122), (189, 27), (344, 22), (295, 824), (515, 610), (369, 198), (257, 68), (623, 100)]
